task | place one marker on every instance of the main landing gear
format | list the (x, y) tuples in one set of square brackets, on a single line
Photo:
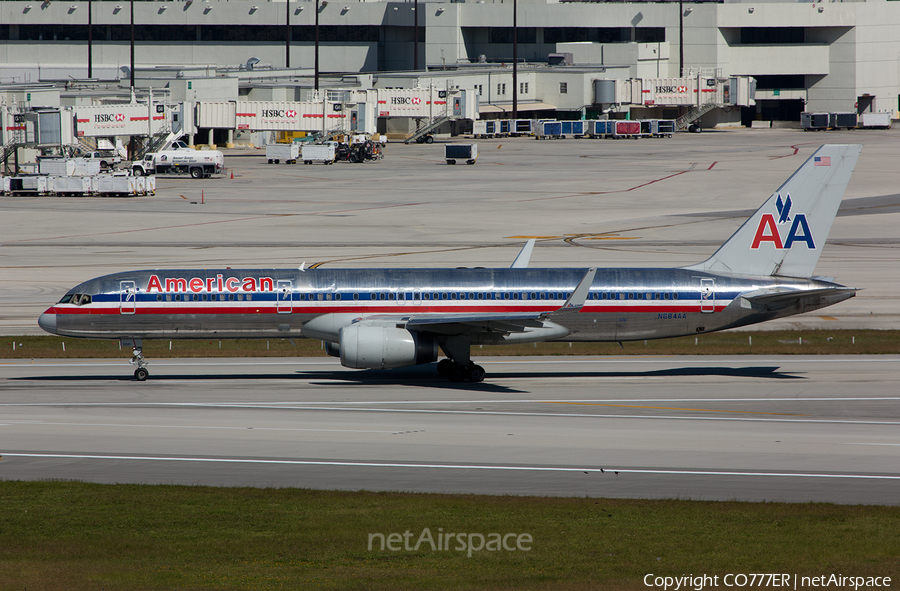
[(137, 359), (456, 373), (459, 366)]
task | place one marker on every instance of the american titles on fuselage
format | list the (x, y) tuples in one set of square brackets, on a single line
[(209, 284)]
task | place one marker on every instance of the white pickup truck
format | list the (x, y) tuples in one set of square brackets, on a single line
[(107, 158)]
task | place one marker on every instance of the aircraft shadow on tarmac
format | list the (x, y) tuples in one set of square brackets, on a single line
[(427, 376)]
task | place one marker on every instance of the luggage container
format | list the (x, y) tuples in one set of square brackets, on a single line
[(573, 128), (523, 127), (549, 129), (505, 127), (278, 153), (31, 185), (662, 127), (467, 152), (70, 185), (814, 121), (115, 185), (604, 128), (69, 166), (324, 153), (843, 120), (482, 128), (875, 120), (145, 185), (626, 129), (645, 127)]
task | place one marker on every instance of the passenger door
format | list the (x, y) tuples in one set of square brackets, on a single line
[(127, 297), (284, 296)]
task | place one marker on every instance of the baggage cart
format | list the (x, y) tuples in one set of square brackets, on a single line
[(324, 153), (467, 152), (278, 153)]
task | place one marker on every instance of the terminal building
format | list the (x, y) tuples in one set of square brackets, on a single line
[(538, 58)]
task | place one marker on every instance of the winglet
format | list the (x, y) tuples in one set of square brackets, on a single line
[(579, 296), (524, 255)]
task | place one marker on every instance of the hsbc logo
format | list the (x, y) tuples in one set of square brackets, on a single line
[(405, 100), (768, 228), (290, 113), (109, 118)]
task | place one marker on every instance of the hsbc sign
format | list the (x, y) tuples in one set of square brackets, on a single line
[(279, 113), (109, 118)]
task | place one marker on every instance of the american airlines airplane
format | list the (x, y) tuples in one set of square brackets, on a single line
[(389, 318)]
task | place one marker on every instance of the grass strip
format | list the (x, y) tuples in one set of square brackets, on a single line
[(79, 536), (788, 342)]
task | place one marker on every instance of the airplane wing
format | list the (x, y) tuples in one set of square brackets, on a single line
[(504, 323), (777, 297)]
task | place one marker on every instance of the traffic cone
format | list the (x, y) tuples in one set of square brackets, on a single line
[(232, 175)]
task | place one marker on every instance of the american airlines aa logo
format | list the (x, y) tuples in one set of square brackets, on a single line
[(767, 230)]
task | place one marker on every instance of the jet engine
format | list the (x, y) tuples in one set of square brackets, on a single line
[(378, 347)]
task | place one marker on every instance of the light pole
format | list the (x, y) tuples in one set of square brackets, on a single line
[(90, 41), (515, 83), (681, 38), (132, 43), (317, 48), (416, 35), (287, 34)]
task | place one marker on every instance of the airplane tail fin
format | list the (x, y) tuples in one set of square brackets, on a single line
[(786, 235)]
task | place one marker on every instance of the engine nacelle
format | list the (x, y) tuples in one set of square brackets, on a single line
[(378, 347)]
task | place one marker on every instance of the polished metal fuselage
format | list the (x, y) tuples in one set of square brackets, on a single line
[(623, 304)]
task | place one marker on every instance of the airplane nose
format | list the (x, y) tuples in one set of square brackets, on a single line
[(47, 321)]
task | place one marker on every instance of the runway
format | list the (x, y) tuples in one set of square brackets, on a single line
[(721, 428)]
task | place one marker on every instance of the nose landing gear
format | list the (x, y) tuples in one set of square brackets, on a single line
[(137, 359)]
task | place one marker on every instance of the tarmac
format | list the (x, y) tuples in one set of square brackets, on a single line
[(743, 428), (748, 428)]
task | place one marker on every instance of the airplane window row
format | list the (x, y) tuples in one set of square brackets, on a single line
[(202, 297), (80, 299)]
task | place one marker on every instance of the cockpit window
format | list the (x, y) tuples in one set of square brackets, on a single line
[(79, 299)]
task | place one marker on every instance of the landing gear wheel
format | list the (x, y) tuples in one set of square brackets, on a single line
[(475, 373), (141, 374), (456, 373), (443, 367)]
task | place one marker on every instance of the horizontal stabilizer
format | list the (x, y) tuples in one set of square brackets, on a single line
[(776, 297)]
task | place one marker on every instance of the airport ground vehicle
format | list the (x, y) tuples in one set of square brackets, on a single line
[(287, 153), (197, 163), (467, 152), (324, 153)]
